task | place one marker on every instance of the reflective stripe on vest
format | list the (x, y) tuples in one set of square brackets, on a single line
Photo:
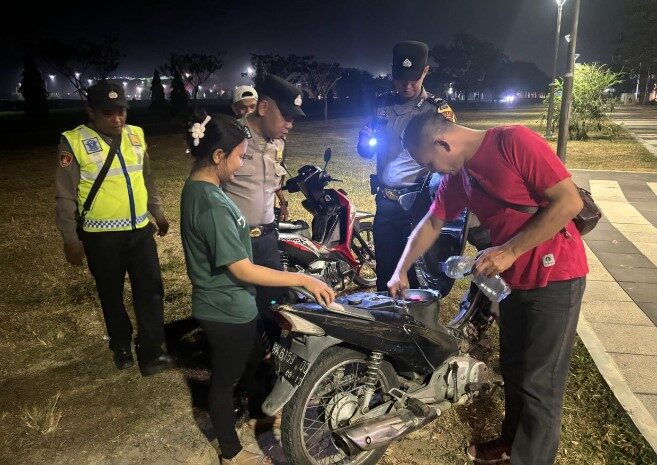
[(121, 201)]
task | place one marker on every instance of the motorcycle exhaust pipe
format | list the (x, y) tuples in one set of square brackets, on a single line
[(381, 431)]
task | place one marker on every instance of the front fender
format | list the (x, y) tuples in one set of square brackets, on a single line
[(309, 350)]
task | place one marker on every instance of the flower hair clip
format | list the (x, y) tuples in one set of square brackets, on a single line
[(198, 130)]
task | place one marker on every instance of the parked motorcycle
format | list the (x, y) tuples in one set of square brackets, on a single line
[(339, 246), (369, 369)]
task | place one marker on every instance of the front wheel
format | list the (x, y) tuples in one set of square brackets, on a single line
[(362, 244), (326, 400)]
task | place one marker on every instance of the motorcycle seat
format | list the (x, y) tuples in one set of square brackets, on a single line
[(297, 225)]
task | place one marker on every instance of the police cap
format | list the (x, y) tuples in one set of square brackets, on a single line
[(106, 96), (408, 60), (286, 95)]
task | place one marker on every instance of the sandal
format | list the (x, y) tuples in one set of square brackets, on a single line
[(248, 458)]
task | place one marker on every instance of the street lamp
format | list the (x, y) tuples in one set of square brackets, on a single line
[(548, 131)]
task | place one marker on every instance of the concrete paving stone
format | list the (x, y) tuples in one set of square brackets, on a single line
[(627, 313), (638, 370), (650, 309), (612, 246), (627, 339), (649, 401), (605, 291), (640, 292), (636, 260), (637, 275)]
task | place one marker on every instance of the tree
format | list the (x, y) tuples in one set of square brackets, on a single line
[(357, 85), (196, 68), (76, 59), (518, 76), (320, 80), (158, 99), (178, 97), (33, 89), (293, 68), (590, 104), (469, 62), (638, 47)]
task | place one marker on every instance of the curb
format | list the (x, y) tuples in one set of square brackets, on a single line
[(642, 419)]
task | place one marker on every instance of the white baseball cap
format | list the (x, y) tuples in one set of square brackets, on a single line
[(242, 92)]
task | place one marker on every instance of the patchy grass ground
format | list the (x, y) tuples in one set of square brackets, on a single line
[(62, 401)]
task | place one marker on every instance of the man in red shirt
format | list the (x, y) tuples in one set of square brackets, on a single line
[(540, 255)]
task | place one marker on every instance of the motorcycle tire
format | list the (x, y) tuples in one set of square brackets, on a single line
[(366, 232), (294, 411)]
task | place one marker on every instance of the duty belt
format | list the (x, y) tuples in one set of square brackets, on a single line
[(393, 194), (261, 229)]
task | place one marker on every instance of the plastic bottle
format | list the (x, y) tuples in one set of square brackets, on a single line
[(495, 288)]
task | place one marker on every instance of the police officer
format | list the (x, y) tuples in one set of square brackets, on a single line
[(116, 235), (260, 180), (396, 172)]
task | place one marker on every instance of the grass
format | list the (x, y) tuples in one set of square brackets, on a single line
[(52, 333)]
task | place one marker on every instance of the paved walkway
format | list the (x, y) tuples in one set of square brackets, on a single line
[(618, 323), (641, 121)]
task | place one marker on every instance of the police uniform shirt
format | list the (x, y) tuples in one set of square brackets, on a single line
[(67, 178), (395, 167), (254, 185)]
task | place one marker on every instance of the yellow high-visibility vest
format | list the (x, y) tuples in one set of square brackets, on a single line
[(121, 202)]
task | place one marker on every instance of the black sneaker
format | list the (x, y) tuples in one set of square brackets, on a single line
[(123, 359), (161, 363), (495, 451)]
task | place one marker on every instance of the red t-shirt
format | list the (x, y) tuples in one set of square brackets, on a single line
[(516, 165)]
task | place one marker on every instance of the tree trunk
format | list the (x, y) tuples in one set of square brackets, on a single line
[(325, 110)]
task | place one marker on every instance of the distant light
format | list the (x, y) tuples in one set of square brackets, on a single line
[(52, 77), (249, 70), (77, 75), (187, 75), (560, 3), (200, 87), (450, 91), (372, 142), (125, 84), (509, 99), (89, 81), (567, 37)]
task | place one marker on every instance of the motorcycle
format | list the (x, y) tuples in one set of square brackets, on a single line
[(369, 369), (339, 246)]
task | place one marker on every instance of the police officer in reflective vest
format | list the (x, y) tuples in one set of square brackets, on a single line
[(259, 181), (396, 172), (115, 234)]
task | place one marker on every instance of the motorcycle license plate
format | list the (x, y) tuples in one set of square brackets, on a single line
[(289, 365)]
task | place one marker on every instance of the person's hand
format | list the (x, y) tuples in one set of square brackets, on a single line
[(364, 136), (284, 214), (162, 225), (398, 284), (322, 292), (74, 253), (494, 260)]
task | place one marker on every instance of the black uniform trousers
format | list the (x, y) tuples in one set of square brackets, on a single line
[(110, 255), (266, 253), (537, 332), (392, 226)]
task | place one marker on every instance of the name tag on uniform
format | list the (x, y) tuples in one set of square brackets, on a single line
[(279, 155), (134, 140)]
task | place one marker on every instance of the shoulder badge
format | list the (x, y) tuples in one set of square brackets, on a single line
[(442, 107), (247, 131), (65, 159)]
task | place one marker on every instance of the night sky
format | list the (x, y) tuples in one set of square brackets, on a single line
[(354, 33)]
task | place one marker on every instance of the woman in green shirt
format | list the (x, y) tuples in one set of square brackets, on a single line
[(218, 256)]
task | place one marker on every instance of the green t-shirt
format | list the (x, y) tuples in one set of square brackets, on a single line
[(215, 234)]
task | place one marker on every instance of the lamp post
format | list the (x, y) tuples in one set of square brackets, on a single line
[(550, 114), (568, 78)]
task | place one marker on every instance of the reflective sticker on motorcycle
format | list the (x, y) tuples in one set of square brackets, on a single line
[(548, 260)]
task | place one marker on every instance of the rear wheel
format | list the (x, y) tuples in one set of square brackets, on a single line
[(362, 244), (326, 399)]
